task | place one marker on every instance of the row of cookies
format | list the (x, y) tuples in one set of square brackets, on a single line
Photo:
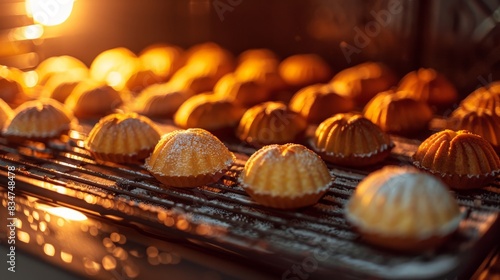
[(186, 149), (280, 176), (290, 176)]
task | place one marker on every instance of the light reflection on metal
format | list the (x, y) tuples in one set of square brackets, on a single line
[(39, 239), (43, 226), (66, 257), (108, 262), (63, 212), (152, 251), (131, 270), (120, 253), (23, 236), (91, 267), (49, 249), (36, 216), (75, 134)]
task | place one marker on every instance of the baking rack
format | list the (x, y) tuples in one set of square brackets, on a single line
[(236, 237)]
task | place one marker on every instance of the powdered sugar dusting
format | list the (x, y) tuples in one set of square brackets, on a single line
[(190, 152)]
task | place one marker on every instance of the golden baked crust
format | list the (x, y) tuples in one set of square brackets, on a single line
[(114, 67), (142, 79), (463, 160), (318, 102), (363, 81), (487, 98), (270, 123), (5, 113), (123, 137), (480, 121), (40, 119), (189, 158), (429, 86), (394, 113), (262, 71), (212, 58), (196, 78), (159, 100), (257, 55), (209, 112), (162, 59), (351, 140), (301, 70), (91, 100), (403, 209), (245, 93), (285, 176), (59, 64), (60, 85), (10, 90)]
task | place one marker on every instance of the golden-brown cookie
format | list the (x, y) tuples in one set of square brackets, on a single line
[(351, 140), (394, 113), (486, 98), (92, 100), (402, 209), (301, 70), (480, 121), (162, 59), (363, 81), (189, 158), (244, 93), (285, 176), (5, 113), (427, 85), (270, 123), (40, 120), (123, 137), (159, 100), (209, 112), (461, 159), (318, 102)]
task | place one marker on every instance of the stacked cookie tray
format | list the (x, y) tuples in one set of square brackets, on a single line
[(221, 220)]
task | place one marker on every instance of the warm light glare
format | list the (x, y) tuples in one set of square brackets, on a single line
[(114, 79), (23, 236), (49, 249), (63, 212), (30, 78), (32, 32), (66, 257), (49, 12)]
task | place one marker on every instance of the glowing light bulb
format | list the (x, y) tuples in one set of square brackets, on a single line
[(49, 12)]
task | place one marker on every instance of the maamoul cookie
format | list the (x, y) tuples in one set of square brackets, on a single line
[(189, 158), (402, 209), (40, 120), (351, 140), (427, 85), (363, 81), (394, 113), (318, 102), (285, 176), (123, 137), (270, 123), (461, 159)]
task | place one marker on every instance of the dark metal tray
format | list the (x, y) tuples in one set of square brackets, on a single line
[(236, 237)]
